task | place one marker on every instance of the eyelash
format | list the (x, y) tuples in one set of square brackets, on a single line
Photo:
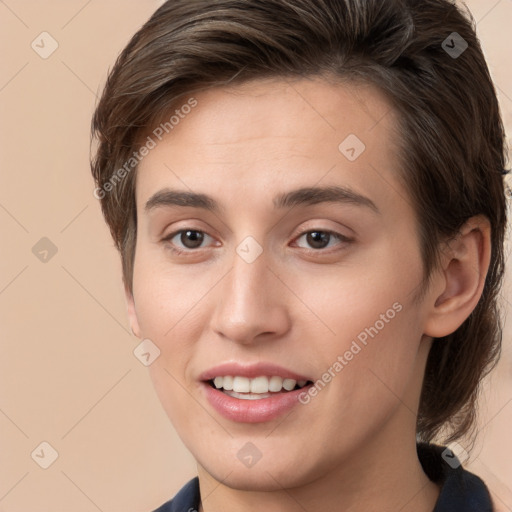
[(180, 252)]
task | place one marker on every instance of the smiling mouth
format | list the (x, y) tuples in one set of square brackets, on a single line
[(255, 389)]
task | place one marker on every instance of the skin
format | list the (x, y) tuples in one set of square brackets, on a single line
[(352, 447)]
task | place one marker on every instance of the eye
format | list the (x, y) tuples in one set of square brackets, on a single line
[(319, 239), (190, 238)]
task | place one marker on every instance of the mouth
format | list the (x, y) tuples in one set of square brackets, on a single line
[(258, 388), (253, 393)]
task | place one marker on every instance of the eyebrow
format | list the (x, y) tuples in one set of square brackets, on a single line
[(305, 196)]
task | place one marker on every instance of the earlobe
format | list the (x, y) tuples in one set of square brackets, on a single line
[(462, 278), (132, 314)]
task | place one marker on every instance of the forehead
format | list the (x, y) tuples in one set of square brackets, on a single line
[(268, 135)]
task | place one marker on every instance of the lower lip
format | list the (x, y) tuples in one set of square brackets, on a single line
[(252, 411)]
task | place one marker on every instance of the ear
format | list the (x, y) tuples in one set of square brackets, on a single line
[(132, 314), (458, 285)]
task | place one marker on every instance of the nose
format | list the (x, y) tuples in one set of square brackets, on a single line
[(251, 303)]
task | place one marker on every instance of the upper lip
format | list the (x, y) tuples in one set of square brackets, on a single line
[(251, 371)]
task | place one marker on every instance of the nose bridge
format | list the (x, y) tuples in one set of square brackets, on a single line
[(248, 280), (246, 305)]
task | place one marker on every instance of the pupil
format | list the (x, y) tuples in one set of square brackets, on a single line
[(195, 236), (317, 241)]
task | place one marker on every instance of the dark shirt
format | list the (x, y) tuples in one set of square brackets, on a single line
[(461, 491)]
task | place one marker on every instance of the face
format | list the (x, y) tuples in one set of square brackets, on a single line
[(296, 265)]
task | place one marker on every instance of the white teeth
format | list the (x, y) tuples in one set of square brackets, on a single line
[(289, 384), (258, 386), (248, 396), (275, 384), (241, 384), (227, 383)]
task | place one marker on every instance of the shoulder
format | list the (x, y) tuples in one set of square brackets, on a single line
[(460, 489), (187, 499)]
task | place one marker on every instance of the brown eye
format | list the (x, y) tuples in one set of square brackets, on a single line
[(186, 240), (191, 239), (320, 239)]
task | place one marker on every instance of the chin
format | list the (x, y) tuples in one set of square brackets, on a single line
[(260, 477)]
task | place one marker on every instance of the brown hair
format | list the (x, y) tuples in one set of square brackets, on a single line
[(452, 137)]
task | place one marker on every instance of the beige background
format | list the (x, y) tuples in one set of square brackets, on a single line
[(68, 375)]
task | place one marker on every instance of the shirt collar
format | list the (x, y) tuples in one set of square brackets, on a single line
[(460, 490)]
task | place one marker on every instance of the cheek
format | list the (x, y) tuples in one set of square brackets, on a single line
[(367, 316), (368, 296), (168, 299)]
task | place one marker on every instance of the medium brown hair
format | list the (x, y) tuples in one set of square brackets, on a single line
[(451, 135)]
